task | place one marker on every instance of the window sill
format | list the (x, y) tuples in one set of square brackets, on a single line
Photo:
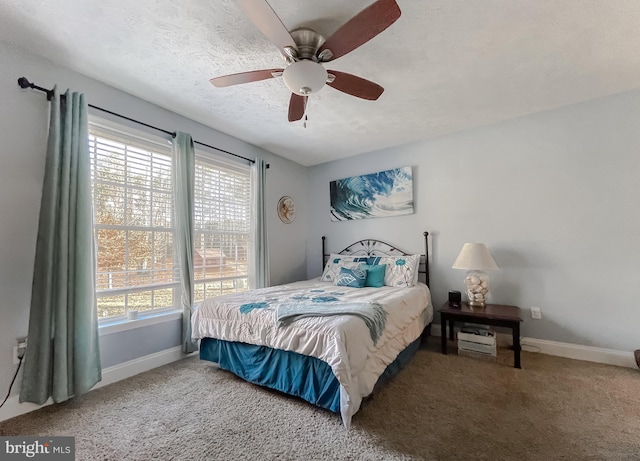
[(116, 326)]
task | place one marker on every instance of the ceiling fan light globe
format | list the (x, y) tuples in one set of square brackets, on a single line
[(304, 77)]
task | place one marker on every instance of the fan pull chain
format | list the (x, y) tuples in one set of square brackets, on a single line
[(305, 121)]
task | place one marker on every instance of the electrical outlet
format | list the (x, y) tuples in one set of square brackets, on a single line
[(19, 350), (536, 313)]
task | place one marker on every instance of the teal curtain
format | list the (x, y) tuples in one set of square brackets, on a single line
[(63, 354), (185, 161), (259, 275)]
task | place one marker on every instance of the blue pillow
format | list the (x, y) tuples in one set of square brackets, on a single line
[(375, 275), (354, 278)]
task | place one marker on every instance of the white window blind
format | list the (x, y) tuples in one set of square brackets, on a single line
[(222, 226), (132, 189)]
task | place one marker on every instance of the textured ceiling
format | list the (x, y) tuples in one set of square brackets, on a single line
[(446, 65)]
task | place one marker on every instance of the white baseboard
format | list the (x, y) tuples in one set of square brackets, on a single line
[(109, 375), (578, 352), (568, 350), (140, 365)]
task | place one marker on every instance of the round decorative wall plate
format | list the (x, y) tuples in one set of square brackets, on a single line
[(286, 209)]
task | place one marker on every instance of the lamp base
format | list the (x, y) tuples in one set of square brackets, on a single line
[(477, 284), (477, 303)]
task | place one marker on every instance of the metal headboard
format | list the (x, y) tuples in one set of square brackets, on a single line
[(372, 247)]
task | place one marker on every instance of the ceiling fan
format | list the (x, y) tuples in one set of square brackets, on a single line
[(304, 50)]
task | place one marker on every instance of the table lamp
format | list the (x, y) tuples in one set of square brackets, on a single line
[(475, 258)]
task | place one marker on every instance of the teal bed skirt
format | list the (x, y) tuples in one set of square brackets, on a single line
[(295, 374)]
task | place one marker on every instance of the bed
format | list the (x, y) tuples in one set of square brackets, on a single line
[(328, 340)]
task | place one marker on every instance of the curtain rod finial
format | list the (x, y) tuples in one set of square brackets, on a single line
[(24, 83)]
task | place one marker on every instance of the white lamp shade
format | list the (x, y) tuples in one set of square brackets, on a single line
[(304, 77), (475, 256)]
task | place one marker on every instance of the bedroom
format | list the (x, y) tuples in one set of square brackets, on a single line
[(551, 191)]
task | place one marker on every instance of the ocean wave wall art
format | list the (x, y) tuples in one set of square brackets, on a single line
[(375, 195)]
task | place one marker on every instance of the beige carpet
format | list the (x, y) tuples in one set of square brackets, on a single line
[(438, 408)]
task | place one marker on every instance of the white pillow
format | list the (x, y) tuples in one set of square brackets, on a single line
[(336, 261), (402, 271)]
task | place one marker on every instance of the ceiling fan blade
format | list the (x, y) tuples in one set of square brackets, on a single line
[(355, 86), (297, 107), (361, 28), (246, 77), (267, 22)]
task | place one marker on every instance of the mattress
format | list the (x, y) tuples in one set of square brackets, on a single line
[(356, 356)]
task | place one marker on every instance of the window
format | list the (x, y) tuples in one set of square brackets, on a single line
[(133, 198), (132, 188), (221, 227)]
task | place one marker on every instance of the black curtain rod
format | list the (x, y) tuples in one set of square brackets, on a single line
[(24, 83)]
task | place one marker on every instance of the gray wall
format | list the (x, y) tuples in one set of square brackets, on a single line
[(554, 196), (23, 130)]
